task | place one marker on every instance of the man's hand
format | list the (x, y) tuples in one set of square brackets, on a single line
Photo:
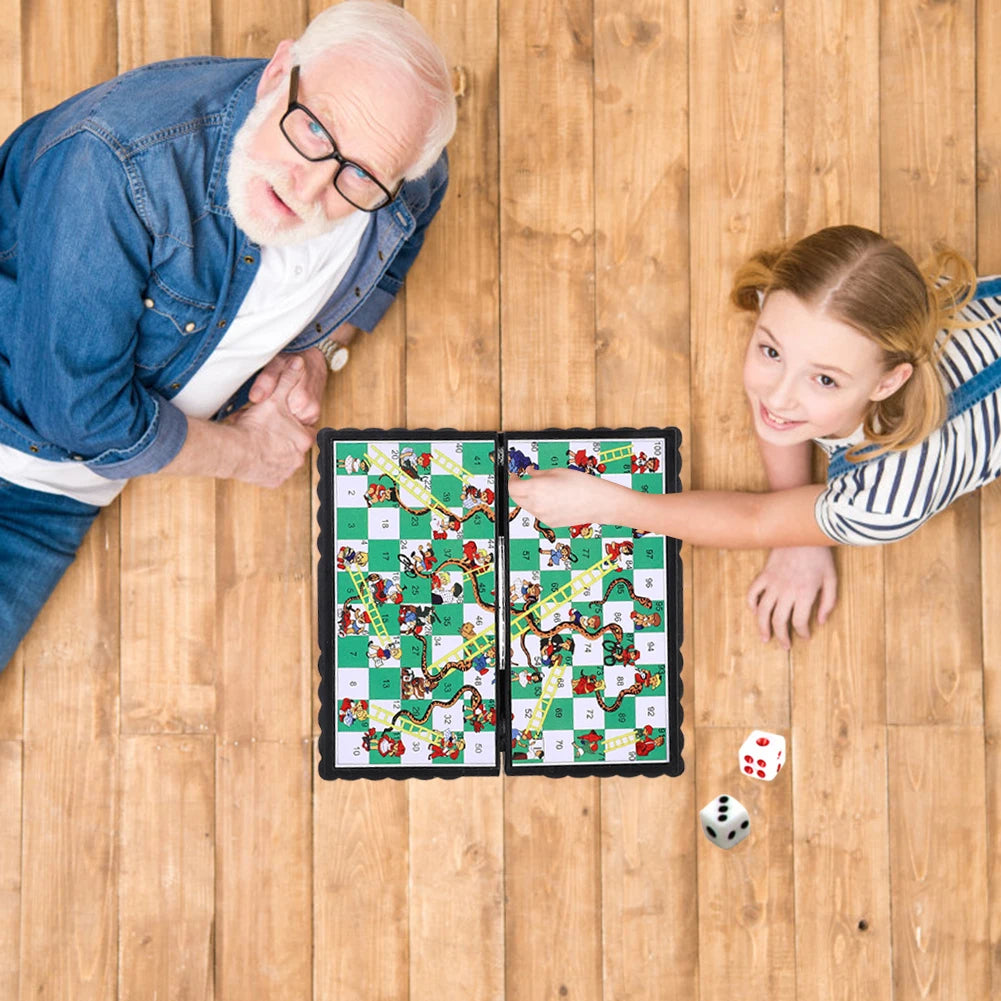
[(306, 396), (788, 587), (262, 444)]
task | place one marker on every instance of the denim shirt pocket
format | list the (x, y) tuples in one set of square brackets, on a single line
[(168, 322)]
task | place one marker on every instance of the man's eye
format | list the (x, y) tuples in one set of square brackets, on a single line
[(316, 130)]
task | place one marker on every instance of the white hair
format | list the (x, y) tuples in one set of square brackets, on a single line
[(395, 40)]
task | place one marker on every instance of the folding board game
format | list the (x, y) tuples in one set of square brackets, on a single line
[(456, 630)]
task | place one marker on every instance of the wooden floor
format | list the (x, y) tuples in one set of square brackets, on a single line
[(163, 833)]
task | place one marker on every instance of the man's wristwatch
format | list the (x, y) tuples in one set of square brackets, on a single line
[(335, 352)]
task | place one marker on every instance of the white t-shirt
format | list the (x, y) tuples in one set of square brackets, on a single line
[(291, 285)]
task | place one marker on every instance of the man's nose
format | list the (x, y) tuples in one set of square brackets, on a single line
[(314, 181)]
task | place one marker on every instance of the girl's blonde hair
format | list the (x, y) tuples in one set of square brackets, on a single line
[(860, 278)]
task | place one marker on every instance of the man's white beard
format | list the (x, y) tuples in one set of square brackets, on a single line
[(244, 168)]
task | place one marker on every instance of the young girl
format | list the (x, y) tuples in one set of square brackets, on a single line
[(894, 374)]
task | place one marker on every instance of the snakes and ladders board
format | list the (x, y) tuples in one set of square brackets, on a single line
[(457, 632)]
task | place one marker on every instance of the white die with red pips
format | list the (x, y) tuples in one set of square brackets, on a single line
[(762, 755)]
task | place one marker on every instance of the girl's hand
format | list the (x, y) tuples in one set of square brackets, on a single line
[(563, 497), (788, 587)]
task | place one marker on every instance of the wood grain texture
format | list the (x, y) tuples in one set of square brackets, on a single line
[(927, 129), (361, 903), (938, 863), (10, 868), (166, 870), (168, 587), (69, 885), (747, 893), (735, 143), (989, 262), (263, 928)]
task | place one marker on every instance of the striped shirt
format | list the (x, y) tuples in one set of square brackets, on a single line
[(889, 497)]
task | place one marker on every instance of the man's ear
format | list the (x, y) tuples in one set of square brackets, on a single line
[(892, 381), (277, 69)]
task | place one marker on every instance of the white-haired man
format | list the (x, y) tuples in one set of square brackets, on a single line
[(193, 241)]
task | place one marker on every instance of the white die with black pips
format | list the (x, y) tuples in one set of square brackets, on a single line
[(725, 821)]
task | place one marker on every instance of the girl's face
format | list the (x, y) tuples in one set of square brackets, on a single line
[(810, 376)]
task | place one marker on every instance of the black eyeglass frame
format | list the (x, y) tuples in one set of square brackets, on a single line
[(335, 154)]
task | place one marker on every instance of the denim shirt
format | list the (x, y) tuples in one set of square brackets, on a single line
[(121, 266)]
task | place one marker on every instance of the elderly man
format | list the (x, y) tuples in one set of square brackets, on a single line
[(191, 237)]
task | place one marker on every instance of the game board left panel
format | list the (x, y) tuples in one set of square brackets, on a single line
[(407, 604)]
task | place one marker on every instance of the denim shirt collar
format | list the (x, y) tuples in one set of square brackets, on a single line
[(235, 114)]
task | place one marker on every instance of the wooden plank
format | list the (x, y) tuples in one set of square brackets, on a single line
[(69, 897), (150, 32), (452, 314), (746, 894), (735, 147), (989, 262), (648, 872), (552, 830), (838, 761), (263, 946), (10, 867), (168, 584), (927, 129), (938, 863), (361, 902), (166, 868)]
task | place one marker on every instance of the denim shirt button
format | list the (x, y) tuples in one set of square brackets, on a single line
[(33, 448), (148, 303), (189, 327), (357, 292), (77, 458), (175, 385)]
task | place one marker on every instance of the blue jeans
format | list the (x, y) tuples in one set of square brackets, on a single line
[(39, 536)]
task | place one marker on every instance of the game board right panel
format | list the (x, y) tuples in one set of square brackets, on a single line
[(594, 629)]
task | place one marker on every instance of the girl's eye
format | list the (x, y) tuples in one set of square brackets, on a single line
[(769, 352), (826, 381)]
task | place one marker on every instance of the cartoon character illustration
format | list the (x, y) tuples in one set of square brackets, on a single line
[(354, 621), (585, 463), (348, 557), (641, 464), (646, 742), (384, 589), (641, 621), (415, 619), (480, 716), (590, 741), (387, 743), (450, 749), (350, 711), (352, 464), (560, 556), (614, 551), (518, 462), (586, 684), (379, 654), (377, 493), (474, 497), (413, 686), (585, 531)]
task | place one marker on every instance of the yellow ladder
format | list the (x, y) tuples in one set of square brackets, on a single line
[(369, 602), (452, 466), (549, 690)]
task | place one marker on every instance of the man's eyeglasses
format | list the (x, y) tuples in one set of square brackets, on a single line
[(311, 140)]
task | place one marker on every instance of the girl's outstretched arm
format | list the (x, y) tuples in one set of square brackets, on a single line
[(720, 519)]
